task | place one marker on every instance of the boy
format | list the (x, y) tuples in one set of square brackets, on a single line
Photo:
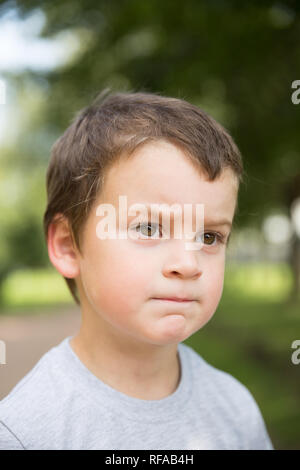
[(126, 380)]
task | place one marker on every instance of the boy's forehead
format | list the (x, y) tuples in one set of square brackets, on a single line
[(162, 174), (156, 163)]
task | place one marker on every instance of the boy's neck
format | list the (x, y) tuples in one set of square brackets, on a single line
[(152, 375)]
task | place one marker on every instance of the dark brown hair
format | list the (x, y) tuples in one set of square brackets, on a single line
[(113, 126)]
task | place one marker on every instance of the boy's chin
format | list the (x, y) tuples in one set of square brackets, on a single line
[(170, 329)]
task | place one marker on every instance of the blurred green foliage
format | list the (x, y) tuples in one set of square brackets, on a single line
[(36, 287)]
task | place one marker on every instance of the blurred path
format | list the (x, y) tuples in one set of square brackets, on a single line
[(27, 338)]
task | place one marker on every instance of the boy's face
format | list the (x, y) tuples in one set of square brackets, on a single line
[(120, 281)]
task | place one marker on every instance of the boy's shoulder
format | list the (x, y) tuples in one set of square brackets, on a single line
[(220, 389), (228, 404), (208, 375), (47, 367), (35, 398)]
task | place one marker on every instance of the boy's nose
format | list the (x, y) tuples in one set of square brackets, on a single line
[(183, 263)]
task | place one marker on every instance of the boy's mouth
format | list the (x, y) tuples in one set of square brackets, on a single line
[(173, 299)]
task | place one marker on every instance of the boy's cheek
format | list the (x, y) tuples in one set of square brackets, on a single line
[(118, 288), (215, 288)]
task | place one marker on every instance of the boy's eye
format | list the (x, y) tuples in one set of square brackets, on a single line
[(151, 230), (209, 237), (146, 230)]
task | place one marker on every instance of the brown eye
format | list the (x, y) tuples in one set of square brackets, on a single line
[(149, 229), (209, 238)]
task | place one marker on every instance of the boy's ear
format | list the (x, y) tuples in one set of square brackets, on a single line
[(62, 252)]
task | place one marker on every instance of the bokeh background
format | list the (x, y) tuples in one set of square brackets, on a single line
[(237, 61)]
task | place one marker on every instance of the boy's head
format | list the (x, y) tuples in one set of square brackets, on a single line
[(153, 150)]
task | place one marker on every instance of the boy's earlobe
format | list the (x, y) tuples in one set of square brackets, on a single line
[(61, 249)]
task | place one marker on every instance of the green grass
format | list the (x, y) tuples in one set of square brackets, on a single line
[(31, 290)]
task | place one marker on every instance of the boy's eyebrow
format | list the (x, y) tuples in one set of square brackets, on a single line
[(219, 222), (206, 221)]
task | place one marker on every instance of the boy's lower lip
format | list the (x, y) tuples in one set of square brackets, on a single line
[(174, 300)]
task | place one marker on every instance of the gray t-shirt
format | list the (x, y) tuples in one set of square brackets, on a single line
[(60, 404)]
